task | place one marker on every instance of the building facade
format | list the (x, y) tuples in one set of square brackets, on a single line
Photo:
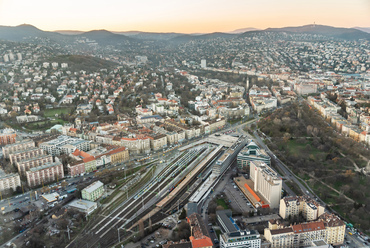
[(7, 136), (58, 145), (25, 165), (240, 239), (294, 205), (9, 181), (25, 154), (93, 192), (252, 152), (266, 182), (45, 174), (18, 146)]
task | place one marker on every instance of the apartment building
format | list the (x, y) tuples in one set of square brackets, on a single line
[(88, 160), (44, 174), (158, 141), (93, 192), (200, 237), (26, 164), (7, 136), (328, 228), (76, 168), (266, 182), (17, 146), (9, 181), (64, 145), (25, 154), (294, 205), (335, 228), (136, 145), (118, 155)]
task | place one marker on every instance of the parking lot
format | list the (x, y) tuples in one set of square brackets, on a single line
[(237, 198)]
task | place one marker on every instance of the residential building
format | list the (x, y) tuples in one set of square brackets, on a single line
[(76, 168), (17, 146), (88, 160), (294, 205), (136, 145), (200, 237), (59, 145), (25, 154), (26, 164), (328, 228), (9, 181), (158, 141), (93, 192), (118, 155), (335, 228), (44, 174), (7, 136)]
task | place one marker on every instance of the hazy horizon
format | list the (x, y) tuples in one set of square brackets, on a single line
[(191, 17)]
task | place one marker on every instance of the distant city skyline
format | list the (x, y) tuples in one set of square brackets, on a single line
[(194, 16)]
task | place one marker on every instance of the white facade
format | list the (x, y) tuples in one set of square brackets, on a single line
[(266, 182)]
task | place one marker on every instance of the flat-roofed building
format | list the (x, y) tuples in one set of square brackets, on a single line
[(46, 173), (17, 146), (25, 154), (93, 192), (240, 239), (64, 144), (225, 221), (266, 182), (85, 206), (9, 181), (26, 164)]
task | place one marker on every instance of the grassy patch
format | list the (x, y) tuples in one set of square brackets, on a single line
[(221, 202), (54, 111), (43, 124)]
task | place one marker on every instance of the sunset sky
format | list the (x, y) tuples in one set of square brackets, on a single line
[(189, 16)]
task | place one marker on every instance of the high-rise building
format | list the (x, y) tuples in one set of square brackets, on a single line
[(203, 63), (19, 56), (9, 181), (266, 182), (46, 173), (6, 58), (18, 146)]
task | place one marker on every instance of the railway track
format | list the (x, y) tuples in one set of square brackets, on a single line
[(103, 230)]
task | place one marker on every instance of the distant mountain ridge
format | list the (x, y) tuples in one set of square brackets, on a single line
[(363, 29), (243, 30), (342, 33), (104, 37)]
